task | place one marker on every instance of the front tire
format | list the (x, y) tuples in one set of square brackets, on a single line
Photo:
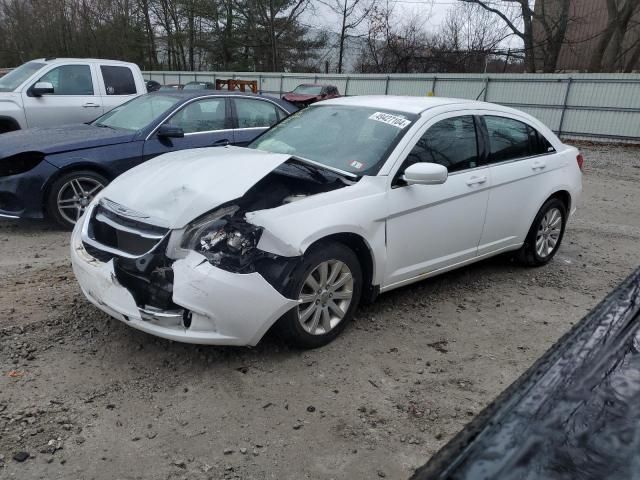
[(70, 195), (545, 235), (328, 285)]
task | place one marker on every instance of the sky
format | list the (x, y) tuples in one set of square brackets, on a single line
[(434, 11)]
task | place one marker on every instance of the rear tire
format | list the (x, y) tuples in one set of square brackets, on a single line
[(70, 194), (328, 284), (545, 235)]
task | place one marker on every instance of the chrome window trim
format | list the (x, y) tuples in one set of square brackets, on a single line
[(254, 128), (209, 131)]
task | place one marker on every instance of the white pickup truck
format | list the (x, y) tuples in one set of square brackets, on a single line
[(55, 91)]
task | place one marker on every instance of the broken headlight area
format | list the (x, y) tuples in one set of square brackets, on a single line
[(148, 278), (226, 240)]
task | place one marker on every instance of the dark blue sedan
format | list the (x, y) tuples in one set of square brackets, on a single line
[(55, 172)]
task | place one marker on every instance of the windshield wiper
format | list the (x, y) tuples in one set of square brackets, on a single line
[(311, 170), (102, 125)]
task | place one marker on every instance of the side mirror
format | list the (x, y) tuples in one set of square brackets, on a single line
[(423, 173), (169, 131), (42, 88)]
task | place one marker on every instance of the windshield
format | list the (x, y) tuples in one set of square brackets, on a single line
[(308, 90), (137, 113), (353, 139), (14, 78)]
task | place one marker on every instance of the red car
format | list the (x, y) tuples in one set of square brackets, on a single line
[(309, 93)]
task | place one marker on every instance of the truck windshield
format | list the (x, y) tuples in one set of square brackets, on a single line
[(137, 113), (308, 90), (14, 78)]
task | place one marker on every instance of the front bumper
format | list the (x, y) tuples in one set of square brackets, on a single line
[(22, 195), (216, 307)]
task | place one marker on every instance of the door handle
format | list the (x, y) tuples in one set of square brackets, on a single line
[(91, 105), (476, 181), (222, 143), (538, 165)]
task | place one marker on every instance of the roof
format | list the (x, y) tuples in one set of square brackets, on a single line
[(189, 94), (399, 103), (73, 60)]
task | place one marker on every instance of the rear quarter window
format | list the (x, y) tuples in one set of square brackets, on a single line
[(118, 80)]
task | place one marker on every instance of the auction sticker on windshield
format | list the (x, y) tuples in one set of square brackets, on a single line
[(388, 118)]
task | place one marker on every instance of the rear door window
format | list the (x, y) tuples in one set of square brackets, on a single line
[(253, 113), (511, 139), (118, 80), (70, 80)]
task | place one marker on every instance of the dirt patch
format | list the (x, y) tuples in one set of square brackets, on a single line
[(87, 397)]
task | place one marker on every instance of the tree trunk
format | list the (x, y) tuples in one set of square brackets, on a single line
[(343, 31), (272, 34), (529, 55), (633, 61)]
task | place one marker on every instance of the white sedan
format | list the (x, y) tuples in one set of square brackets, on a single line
[(341, 201)]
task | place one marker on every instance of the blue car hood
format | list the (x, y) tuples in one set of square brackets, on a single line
[(61, 139)]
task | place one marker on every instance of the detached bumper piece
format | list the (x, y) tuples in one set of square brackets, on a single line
[(575, 414), (187, 300)]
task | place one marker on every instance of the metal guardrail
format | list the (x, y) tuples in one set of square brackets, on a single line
[(593, 106)]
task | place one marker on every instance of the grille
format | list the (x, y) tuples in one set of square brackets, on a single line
[(115, 234)]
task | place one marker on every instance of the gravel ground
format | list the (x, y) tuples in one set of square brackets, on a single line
[(89, 398)]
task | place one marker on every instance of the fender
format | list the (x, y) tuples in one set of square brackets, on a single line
[(358, 209)]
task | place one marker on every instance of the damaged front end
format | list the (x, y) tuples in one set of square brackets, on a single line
[(204, 283)]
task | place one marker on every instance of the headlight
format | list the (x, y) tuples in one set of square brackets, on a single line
[(226, 241), (205, 227), (20, 163)]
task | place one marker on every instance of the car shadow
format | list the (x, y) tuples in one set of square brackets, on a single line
[(144, 348), (28, 226)]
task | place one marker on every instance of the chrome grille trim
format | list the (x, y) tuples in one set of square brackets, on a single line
[(101, 217), (90, 216)]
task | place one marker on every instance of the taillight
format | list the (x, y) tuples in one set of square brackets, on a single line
[(580, 160)]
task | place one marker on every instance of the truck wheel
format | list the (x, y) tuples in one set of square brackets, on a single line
[(70, 195)]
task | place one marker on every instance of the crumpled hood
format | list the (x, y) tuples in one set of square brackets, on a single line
[(297, 97), (60, 139), (175, 188)]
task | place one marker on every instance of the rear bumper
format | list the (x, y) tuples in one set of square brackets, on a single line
[(215, 306)]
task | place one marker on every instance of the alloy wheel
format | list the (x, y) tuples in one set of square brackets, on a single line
[(325, 297), (548, 232), (75, 195)]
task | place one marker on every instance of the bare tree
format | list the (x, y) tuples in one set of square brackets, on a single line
[(393, 45), (352, 14), (519, 16), (468, 39)]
